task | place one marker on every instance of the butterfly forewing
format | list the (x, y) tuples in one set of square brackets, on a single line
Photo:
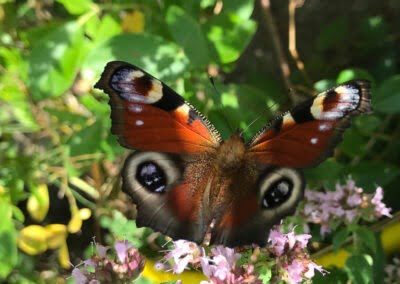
[(148, 115), (307, 135)]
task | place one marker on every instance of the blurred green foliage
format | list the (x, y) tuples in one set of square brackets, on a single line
[(55, 129)]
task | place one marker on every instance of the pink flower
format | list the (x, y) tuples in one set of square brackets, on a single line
[(121, 248), (79, 276), (354, 200), (278, 242), (102, 250), (221, 267), (295, 271), (351, 214), (380, 208), (311, 267), (184, 252), (348, 204)]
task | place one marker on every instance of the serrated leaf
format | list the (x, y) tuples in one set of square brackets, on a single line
[(188, 34)]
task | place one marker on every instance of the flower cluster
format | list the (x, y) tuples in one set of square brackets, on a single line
[(104, 268), (348, 204), (292, 261), (221, 267), (284, 258), (392, 272)]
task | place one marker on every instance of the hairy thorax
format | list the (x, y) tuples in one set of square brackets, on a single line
[(230, 155)]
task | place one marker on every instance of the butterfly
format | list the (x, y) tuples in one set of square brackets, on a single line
[(184, 177)]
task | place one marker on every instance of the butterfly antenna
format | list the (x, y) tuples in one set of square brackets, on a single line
[(269, 109)]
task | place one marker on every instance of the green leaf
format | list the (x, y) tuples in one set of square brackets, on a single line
[(76, 7), (104, 29), (241, 8), (323, 85), (367, 238), (333, 34), (371, 173), (188, 34), (230, 35), (339, 238), (388, 99), (100, 109), (353, 74), (367, 124), (152, 53), (88, 140), (359, 269), (125, 229), (353, 143), (326, 174), (8, 240), (265, 276), (54, 61)]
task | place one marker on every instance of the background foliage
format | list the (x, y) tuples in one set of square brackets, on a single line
[(57, 153)]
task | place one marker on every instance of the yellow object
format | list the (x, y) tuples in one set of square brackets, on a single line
[(75, 223), (159, 276), (391, 238), (333, 259), (38, 203), (56, 235), (33, 239), (63, 256), (133, 22)]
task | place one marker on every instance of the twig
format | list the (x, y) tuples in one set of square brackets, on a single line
[(293, 4), (283, 63)]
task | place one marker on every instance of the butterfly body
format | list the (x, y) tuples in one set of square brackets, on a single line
[(184, 177)]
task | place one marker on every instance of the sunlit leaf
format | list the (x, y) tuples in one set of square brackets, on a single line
[(38, 203), (8, 239), (353, 74), (152, 53), (76, 7), (359, 269), (230, 36), (188, 34), (54, 61)]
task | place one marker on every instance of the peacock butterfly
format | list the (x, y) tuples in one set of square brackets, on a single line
[(183, 176)]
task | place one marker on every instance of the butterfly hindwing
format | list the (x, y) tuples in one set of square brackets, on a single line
[(168, 190), (307, 135), (148, 115)]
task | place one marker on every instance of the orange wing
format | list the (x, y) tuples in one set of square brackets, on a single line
[(148, 115), (307, 135)]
